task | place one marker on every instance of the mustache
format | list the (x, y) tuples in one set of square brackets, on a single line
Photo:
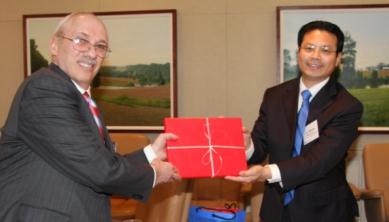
[(88, 60)]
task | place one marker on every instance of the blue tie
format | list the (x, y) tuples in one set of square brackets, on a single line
[(302, 120)]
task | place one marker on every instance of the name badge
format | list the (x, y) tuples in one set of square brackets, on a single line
[(311, 132)]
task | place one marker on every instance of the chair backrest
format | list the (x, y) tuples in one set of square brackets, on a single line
[(256, 196), (376, 165), (129, 142), (122, 207), (166, 201)]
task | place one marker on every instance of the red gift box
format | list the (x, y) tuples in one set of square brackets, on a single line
[(206, 147)]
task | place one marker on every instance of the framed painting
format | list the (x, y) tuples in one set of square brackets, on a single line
[(365, 59), (136, 87)]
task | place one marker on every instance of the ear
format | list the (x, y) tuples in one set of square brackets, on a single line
[(338, 58), (53, 45)]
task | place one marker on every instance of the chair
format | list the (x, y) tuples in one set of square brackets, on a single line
[(129, 142), (123, 208), (166, 201), (356, 191), (376, 194), (255, 196)]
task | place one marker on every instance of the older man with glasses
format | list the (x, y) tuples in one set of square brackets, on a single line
[(57, 162)]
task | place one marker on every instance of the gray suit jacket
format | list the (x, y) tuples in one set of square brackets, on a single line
[(54, 166), (318, 174)]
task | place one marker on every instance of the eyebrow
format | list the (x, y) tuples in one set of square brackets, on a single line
[(328, 46), (84, 35)]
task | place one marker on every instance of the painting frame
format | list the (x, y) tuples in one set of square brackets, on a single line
[(291, 18), (154, 45)]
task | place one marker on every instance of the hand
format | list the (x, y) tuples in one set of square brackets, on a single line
[(159, 144), (246, 137), (165, 171), (255, 173)]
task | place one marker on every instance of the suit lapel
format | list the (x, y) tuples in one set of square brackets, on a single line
[(289, 102), (85, 109), (89, 116), (94, 127), (108, 142), (322, 100)]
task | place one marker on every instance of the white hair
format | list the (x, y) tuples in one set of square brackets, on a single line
[(60, 27)]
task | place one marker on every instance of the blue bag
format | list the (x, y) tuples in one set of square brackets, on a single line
[(206, 214)]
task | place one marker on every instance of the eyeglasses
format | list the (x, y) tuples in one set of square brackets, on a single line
[(83, 45), (323, 49)]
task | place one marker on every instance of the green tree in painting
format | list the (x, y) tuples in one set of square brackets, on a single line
[(37, 59), (290, 71), (348, 74), (374, 79)]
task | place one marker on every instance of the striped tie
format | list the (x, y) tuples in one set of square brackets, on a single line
[(95, 112)]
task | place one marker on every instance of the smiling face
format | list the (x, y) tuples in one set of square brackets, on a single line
[(317, 56), (81, 67)]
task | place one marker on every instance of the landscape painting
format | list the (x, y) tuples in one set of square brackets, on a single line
[(135, 88), (365, 59)]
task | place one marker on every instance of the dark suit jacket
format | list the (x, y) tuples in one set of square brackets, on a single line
[(318, 174), (54, 166)]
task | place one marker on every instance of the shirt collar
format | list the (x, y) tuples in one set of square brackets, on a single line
[(314, 89), (80, 89)]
